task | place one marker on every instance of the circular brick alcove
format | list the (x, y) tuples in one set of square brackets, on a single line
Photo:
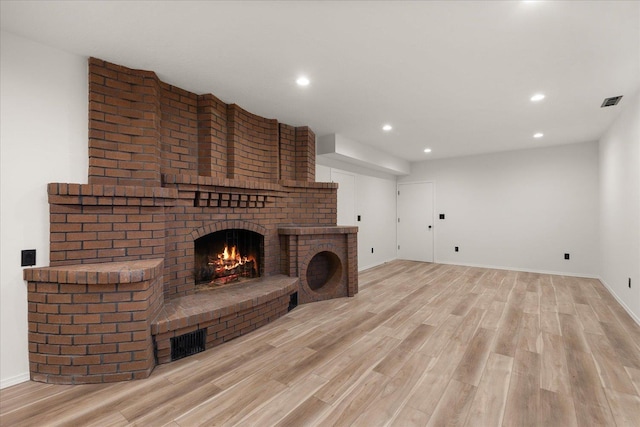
[(324, 271), (324, 258)]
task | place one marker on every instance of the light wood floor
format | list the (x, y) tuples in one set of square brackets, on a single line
[(421, 344)]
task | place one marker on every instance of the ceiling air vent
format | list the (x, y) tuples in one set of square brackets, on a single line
[(610, 102)]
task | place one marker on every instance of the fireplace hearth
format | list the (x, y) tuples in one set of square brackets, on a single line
[(198, 216)]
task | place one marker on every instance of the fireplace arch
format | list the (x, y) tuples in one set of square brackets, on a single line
[(224, 225)]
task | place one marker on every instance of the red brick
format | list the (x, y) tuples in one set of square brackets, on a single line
[(75, 350), (73, 370), (132, 346), (123, 337), (116, 357), (87, 339), (81, 319)]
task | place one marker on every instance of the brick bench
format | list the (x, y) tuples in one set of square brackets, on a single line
[(224, 313), (98, 323)]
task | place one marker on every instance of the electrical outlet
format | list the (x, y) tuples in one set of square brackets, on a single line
[(441, 216), (456, 249), (567, 256)]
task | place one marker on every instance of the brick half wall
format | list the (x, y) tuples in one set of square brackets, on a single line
[(91, 323)]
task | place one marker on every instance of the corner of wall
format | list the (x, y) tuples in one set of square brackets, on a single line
[(54, 150), (619, 157)]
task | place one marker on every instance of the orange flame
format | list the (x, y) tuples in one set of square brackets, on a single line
[(226, 256), (229, 259)]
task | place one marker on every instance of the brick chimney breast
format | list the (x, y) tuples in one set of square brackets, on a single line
[(166, 167)]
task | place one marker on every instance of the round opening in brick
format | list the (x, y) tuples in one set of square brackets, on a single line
[(324, 271)]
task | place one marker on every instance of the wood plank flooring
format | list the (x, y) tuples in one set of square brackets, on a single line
[(420, 345)]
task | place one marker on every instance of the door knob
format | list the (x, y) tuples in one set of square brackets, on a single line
[(429, 227)]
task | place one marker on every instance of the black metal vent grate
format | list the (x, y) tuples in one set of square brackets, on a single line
[(188, 344), (293, 301), (610, 102)]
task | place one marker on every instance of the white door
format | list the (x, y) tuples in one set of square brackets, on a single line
[(415, 221), (346, 197)]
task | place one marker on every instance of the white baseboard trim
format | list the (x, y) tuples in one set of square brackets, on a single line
[(620, 301), (366, 267), (497, 267), (524, 270), (8, 382)]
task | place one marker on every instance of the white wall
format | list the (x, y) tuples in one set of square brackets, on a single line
[(519, 210), (620, 206), (43, 139), (375, 200), (376, 205), (346, 199)]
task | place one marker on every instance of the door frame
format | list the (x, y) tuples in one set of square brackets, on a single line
[(355, 192), (433, 216)]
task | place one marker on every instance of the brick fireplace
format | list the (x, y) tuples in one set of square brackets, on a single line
[(170, 172)]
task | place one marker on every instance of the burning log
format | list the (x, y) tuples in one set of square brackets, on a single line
[(228, 266), (225, 279)]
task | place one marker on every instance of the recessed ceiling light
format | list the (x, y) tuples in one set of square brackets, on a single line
[(387, 128), (537, 97), (303, 81), (538, 135), (427, 150)]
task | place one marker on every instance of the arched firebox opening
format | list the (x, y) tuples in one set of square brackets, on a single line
[(228, 256)]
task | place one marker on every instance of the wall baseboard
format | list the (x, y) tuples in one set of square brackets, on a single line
[(8, 382), (524, 270), (366, 267), (620, 301), (496, 267)]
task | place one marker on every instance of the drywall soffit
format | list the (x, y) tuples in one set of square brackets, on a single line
[(337, 147)]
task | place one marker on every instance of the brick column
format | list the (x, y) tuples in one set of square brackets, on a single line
[(305, 154), (324, 258), (124, 125), (212, 137)]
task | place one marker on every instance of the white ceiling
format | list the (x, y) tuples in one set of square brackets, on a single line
[(452, 76)]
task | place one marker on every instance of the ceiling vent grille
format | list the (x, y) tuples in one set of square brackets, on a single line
[(610, 102)]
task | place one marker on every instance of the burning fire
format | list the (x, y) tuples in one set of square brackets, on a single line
[(228, 260), (226, 256), (227, 266)]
